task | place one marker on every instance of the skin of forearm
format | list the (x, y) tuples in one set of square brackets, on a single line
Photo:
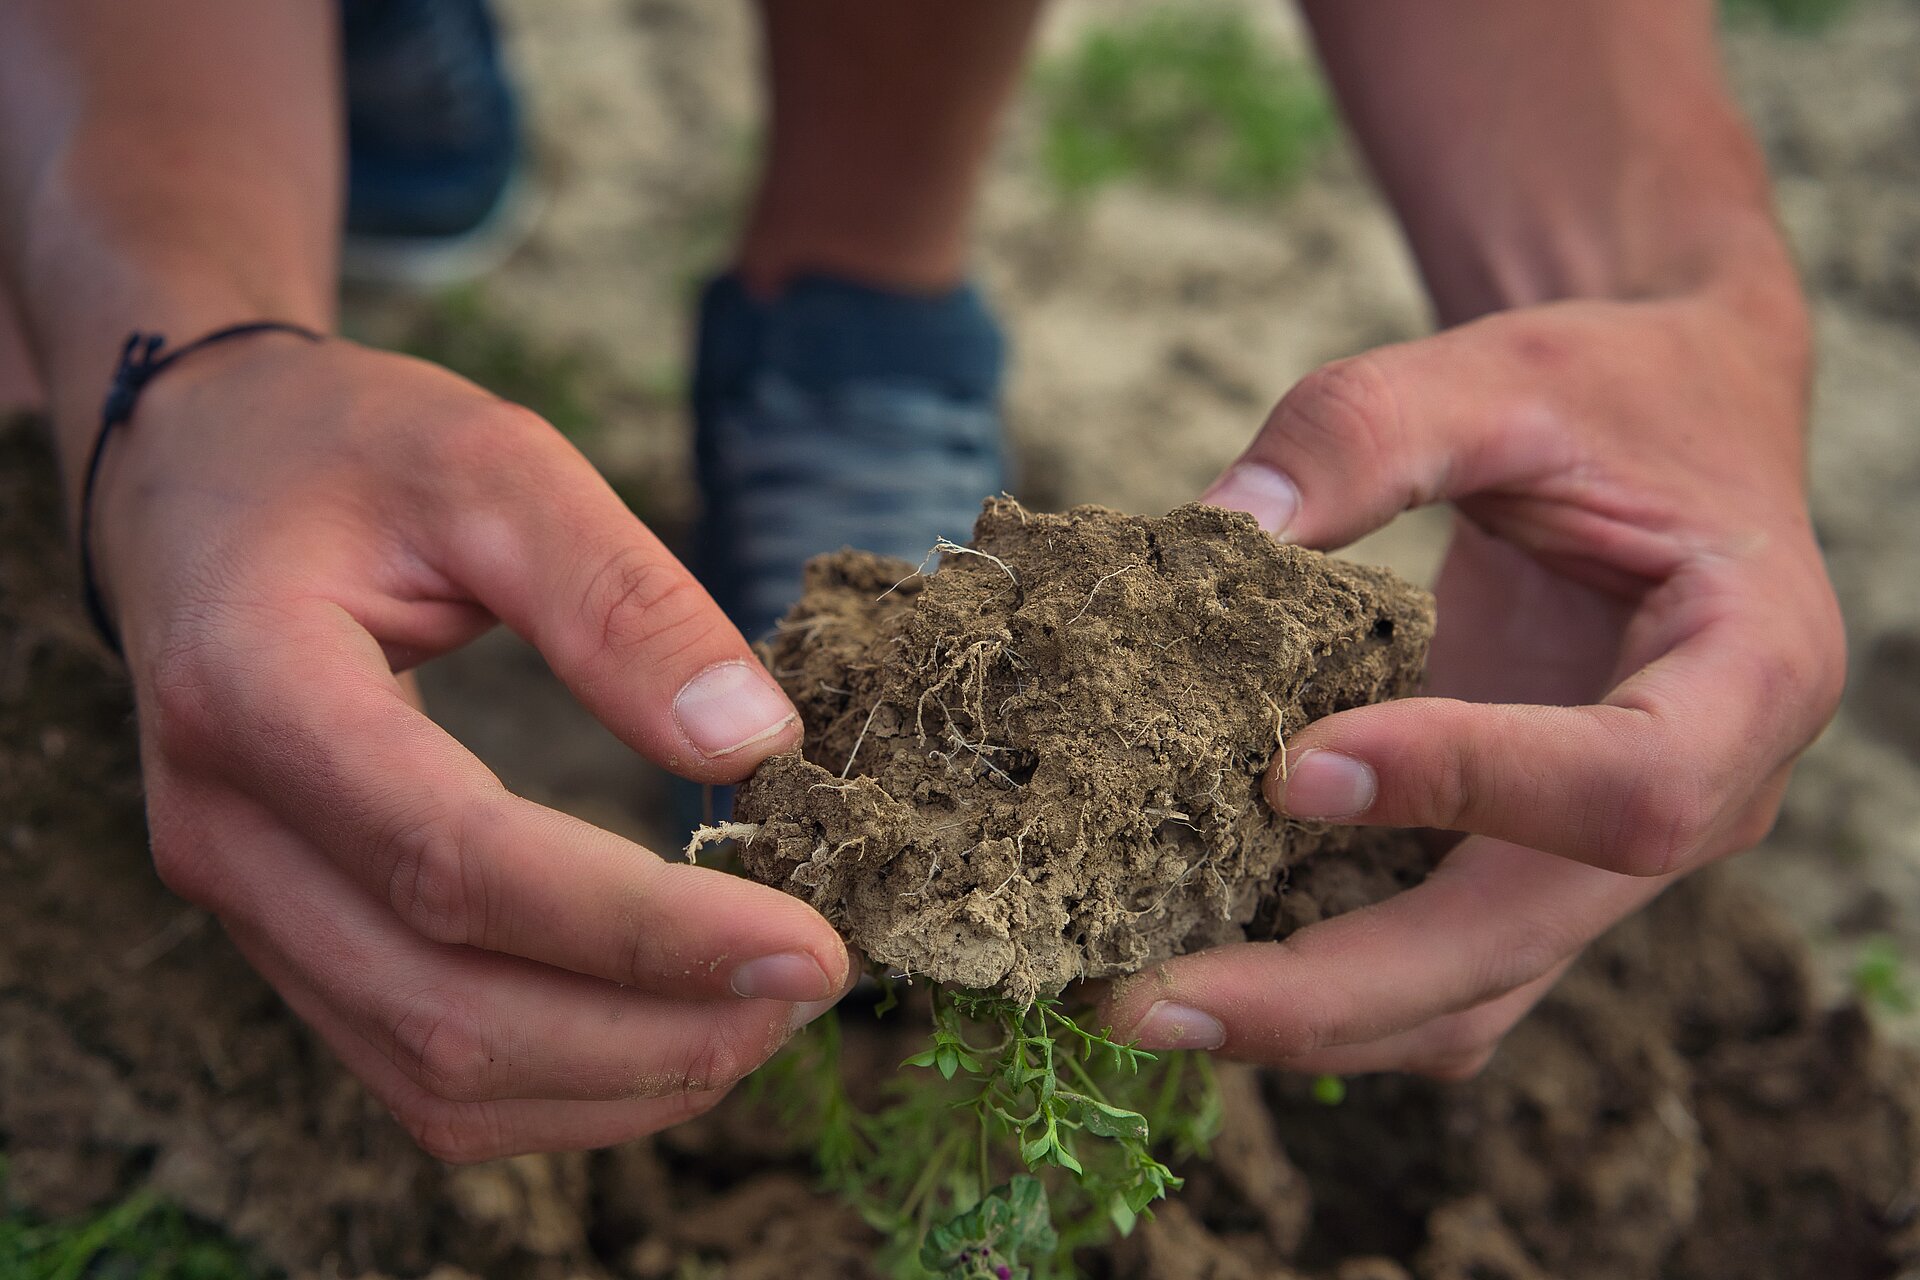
[(167, 167), (1541, 151)]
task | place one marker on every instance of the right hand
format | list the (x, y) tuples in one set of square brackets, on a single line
[(281, 530)]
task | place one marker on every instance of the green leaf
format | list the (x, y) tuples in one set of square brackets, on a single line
[(1009, 1226), (921, 1059), (1122, 1214), (947, 1061), (1035, 1150), (1329, 1091), (1108, 1121)]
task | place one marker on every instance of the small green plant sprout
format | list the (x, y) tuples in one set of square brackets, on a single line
[(1879, 977), (1016, 1136)]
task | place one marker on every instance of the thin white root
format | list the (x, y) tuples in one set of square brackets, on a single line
[(1279, 734), (862, 737), (926, 884), (949, 546), (946, 546), (925, 561), (1097, 582), (719, 833)]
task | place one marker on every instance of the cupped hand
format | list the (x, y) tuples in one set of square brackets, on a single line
[(282, 529), (1636, 639)]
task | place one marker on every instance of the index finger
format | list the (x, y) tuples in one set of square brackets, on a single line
[(306, 717), (1492, 918), (1677, 766)]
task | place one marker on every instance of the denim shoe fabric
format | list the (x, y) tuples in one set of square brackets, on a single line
[(837, 415), (434, 152)]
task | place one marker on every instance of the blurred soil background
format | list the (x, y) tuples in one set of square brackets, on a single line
[(1163, 285)]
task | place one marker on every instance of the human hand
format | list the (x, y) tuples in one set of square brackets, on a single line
[(282, 529), (1636, 639)]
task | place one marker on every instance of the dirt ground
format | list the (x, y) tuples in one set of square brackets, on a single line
[(1688, 1104)]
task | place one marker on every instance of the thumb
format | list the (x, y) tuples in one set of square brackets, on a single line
[(559, 558), (1358, 441)]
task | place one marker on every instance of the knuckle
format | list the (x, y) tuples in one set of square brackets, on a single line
[(442, 1049), (180, 860), (1456, 1067), (182, 709), (720, 1058), (1443, 791), (1345, 409), (480, 436), (1311, 1019), (1664, 824), (641, 603), (434, 881), (1527, 953), (452, 1132), (688, 1105), (1755, 822)]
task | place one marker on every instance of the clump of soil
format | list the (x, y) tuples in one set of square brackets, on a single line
[(1042, 762)]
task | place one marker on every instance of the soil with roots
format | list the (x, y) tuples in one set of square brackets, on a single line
[(1042, 761)]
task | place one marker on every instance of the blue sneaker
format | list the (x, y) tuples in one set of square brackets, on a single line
[(837, 415), (435, 186)]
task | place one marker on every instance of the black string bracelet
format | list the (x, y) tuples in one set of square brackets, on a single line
[(140, 363)]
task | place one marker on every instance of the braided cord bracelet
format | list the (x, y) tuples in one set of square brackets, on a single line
[(141, 361)]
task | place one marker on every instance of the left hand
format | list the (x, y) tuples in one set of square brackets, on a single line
[(1637, 638)]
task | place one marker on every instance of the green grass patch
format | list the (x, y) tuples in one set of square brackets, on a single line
[(1186, 99), (457, 330), (1803, 17), (140, 1238), (1880, 977)]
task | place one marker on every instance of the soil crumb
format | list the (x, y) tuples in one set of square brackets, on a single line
[(1042, 760)]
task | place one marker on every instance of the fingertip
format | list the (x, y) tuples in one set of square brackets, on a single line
[(735, 715), (1170, 1025), (1321, 785), (1263, 492)]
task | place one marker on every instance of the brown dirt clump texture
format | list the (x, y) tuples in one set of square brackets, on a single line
[(1042, 761)]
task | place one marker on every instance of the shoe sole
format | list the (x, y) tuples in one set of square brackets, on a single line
[(429, 264)]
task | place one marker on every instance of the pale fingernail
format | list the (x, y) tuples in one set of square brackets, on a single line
[(1326, 784), (729, 707), (792, 975), (805, 1013), (1176, 1026), (1262, 492)]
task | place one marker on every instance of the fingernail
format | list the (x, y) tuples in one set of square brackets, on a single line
[(1175, 1026), (729, 707), (1262, 492), (1326, 784), (792, 975), (806, 1013)]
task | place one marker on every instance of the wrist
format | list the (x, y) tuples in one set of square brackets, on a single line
[(161, 446)]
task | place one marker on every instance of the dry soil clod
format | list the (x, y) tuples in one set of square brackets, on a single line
[(1062, 779)]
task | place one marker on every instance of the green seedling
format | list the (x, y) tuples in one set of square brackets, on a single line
[(1016, 1136)]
